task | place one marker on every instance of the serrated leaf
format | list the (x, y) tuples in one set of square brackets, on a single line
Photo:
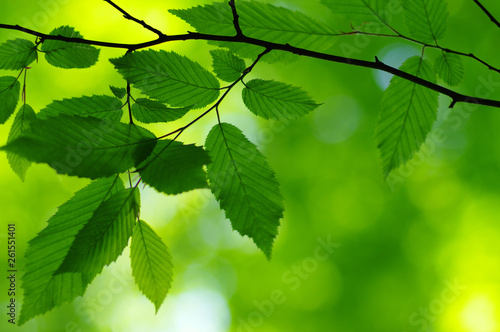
[(227, 66), (102, 107), (9, 96), (152, 111), (450, 68), (43, 289), (151, 263), (361, 12), (408, 111), (276, 100), (22, 123), (426, 19), (173, 167), (17, 54), (105, 235), (84, 146), (69, 55), (259, 20), (118, 92), (169, 77), (245, 186)]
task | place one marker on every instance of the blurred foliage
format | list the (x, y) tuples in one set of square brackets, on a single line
[(422, 257)]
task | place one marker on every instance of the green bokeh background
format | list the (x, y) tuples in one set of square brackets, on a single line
[(423, 255)]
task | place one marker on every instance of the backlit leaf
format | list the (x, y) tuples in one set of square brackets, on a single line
[(102, 107), (105, 235), (276, 100), (245, 186), (43, 288), (426, 19), (173, 167), (84, 146), (151, 263), (227, 66), (22, 123), (9, 96), (69, 55), (152, 111), (169, 77), (408, 111), (17, 54)]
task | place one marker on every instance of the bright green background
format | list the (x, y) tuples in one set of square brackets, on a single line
[(399, 250)]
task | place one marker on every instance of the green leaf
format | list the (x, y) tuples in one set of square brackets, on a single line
[(275, 100), (174, 168), (169, 77), (69, 55), (9, 96), (450, 68), (85, 147), (118, 92), (245, 186), (259, 20), (151, 263), (103, 238), (43, 289), (17, 54), (102, 107), (227, 66), (408, 111), (361, 12), (426, 19), (152, 111), (22, 123)]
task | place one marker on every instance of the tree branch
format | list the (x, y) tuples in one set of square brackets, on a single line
[(378, 65), (492, 18), (236, 19), (435, 46), (130, 17)]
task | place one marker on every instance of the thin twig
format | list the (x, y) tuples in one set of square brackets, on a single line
[(130, 17), (236, 17), (492, 18), (378, 65), (435, 46)]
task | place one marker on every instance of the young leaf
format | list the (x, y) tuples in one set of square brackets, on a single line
[(275, 100), (43, 289), (118, 92), (408, 111), (361, 12), (105, 235), (174, 168), (169, 77), (227, 66), (245, 186), (102, 107), (450, 68), (85, 147), (69, 55), (9, 96), (22, 123), (426, 19), (152, 111), (17, 54), (258, 20), (151, 263)]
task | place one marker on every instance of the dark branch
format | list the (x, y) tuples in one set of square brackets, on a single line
[(468, 55), (130, 17), (455, 96), (236, 19), (492, 18)]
